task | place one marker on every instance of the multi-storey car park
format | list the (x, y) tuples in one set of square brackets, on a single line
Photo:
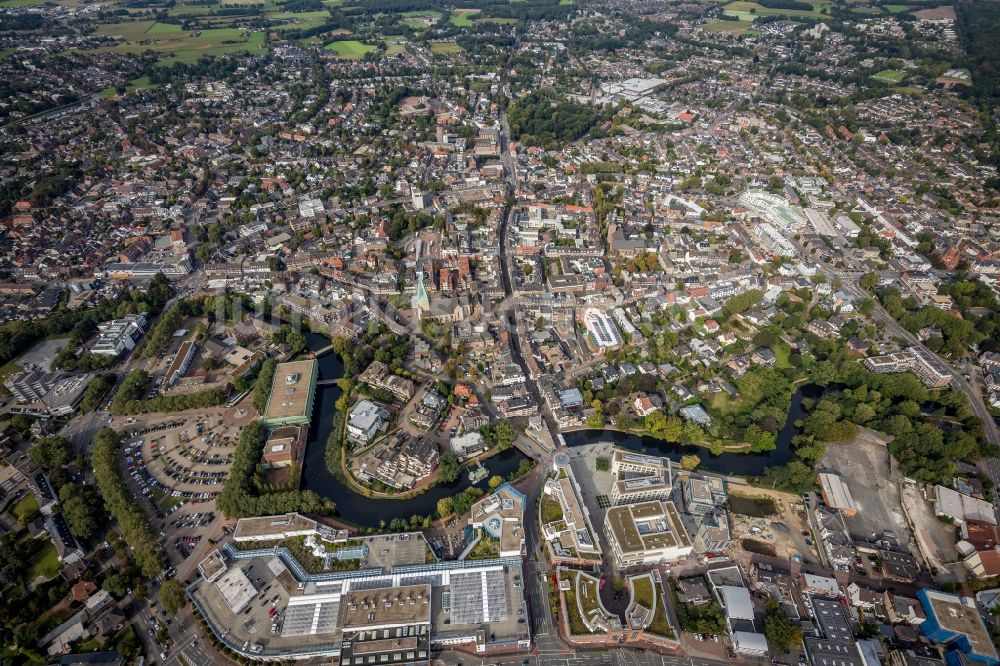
[(386, 597)]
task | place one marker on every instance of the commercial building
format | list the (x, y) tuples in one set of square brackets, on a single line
[(646, 533), (602, 330), (704, 494), (955, 622), (835, 645), (32, 384), (292, 392), (384, 604), (364, 421), (119, 335), (500, 515), (639, 478), (570, 536)]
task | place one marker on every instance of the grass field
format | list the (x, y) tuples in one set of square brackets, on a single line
[(396, 44), (463, 18), (728, 27), (896, 9), (498, 20), (891, 76), (26, 505), (46, 564), (176, 45), (445, 48), (748, 11), (163, 29), (350, 49), (14, 4)]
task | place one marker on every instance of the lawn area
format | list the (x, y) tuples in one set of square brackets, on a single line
[(445, 48), (486, 548), (498, 20), (350, 49), (661, 626), (642, 591), (395, 44), (728, 27), (896, 9), (748, 11), (46, 563), (589, 597), (551, 511), (891, 76), (299, 21), (129, 30), (177, 45), (14, 4), (576, 625), (462, 18), (163, 29), (782, 353), (26, 505)]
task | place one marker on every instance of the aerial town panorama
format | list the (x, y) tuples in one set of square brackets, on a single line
[(500, 332)]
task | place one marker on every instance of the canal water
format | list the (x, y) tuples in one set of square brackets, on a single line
[(351, 506), (739, 464), (368, 512)]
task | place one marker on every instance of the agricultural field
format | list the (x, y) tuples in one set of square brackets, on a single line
[(396, 44), (421, 20), (728, 27), (177, 45), (891, 76), (445, 48), (498, 20), (463, 18), (350, 49), (748, 11)]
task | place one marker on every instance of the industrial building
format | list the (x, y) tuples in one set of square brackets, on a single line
[(837, 494)]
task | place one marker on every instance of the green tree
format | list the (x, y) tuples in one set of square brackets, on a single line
[(869, 281), (780, 632), (50, 452), (449, 469), (445, 506), (172, 597), (690, 462), (495, 481)]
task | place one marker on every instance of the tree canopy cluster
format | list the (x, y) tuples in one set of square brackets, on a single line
[(122, 504), (538, 120), (131, 397), (243, 491)]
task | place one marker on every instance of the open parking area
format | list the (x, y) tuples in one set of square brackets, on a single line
[(865, 467), (178, 464)]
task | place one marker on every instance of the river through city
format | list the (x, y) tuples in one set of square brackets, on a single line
[(369, 512)]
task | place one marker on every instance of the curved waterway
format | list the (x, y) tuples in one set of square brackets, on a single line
[(368, 512), (739, 464), (351, 506)]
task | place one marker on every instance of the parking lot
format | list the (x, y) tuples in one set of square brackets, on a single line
[(873, 479), (178, 465)]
